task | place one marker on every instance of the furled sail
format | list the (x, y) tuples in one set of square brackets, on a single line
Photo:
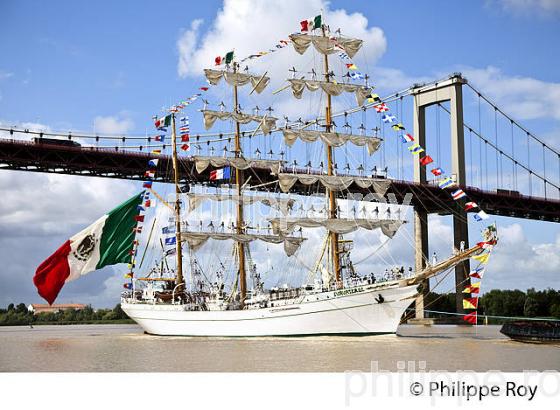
[(333, 182), (203, 162), (331, 88), (282, 204), (334, 139), (196, 239), (326, 45), (266, 123), (284, 226), (258, 82)]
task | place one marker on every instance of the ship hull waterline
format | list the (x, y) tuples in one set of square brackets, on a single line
[(369, 311)]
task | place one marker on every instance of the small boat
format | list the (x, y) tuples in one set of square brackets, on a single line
[(533, 331)]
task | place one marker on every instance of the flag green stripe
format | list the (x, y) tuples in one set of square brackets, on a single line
[(117, 236)]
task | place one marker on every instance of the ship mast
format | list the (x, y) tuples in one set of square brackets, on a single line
[(239, 182), (331, 193), (180, 281)]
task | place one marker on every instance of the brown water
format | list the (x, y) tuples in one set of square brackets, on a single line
[(124, 348)]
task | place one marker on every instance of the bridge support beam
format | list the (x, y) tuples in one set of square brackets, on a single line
[(448, 90)]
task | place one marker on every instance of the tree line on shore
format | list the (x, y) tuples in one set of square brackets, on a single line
[(20, 315), (509, 303)]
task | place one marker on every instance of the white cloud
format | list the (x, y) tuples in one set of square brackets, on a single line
[(524, 98), (522, 7), (114, 124), (4, 75), (248, 27), (186, 46), (518, 262)]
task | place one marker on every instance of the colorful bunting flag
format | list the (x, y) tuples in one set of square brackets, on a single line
[(352, 66), (486, 244), (185, 147), (470, 303), (149, 174), (471, 318), (446, 183), (472, 288), (408, 138), (470, 205), (159, 138), (185, 137), (398, 127), (139, 218), (357, 76), (388, 118), (147, 184), (482, 258), (477, 273), (415, 149), (458, 194), (426, 160), (153, 162), (129, 275), (127, 286), (170, 241), (437, 171), (381, 107), (481, 215), (156, 151)]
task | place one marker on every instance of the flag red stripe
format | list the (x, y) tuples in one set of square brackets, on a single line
[(52, 273)]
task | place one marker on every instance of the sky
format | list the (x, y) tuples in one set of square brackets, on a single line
[(108, 67)]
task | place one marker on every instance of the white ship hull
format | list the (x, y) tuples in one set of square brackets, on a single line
[(351, 311)]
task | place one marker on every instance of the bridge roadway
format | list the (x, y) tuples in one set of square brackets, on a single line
[(112, 163)]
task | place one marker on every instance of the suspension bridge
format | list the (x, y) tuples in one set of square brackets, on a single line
[(498, 162)]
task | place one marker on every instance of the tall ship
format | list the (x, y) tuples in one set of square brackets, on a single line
[(179, 297)]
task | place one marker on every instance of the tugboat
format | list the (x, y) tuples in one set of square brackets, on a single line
[(533, 331)]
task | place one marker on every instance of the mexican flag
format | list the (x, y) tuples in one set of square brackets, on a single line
[(163, 122), (107, 241), (311, 24)]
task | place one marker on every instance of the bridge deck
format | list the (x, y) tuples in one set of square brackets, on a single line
[(111, 163)]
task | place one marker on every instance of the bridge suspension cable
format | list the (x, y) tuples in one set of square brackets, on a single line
[(501, 152)]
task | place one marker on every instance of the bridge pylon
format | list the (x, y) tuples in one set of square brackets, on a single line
[(424, 96)]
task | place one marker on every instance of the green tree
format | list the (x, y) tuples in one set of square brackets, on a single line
[(10, 306), (555, 310), (119, 312), (21, 308), (531, 307)]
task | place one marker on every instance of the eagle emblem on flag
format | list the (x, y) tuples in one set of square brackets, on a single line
[(85, 248)]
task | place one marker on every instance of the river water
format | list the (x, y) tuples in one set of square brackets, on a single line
[(124, 348)]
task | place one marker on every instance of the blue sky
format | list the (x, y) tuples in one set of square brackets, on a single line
[(69, 65)]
